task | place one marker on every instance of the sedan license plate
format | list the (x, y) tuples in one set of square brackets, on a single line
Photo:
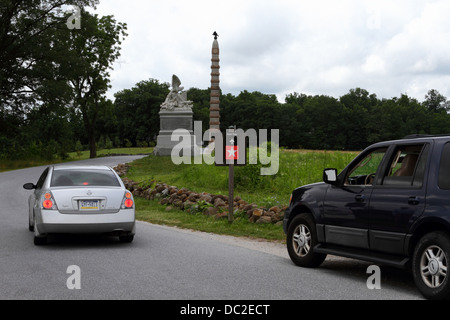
[(89, 205)]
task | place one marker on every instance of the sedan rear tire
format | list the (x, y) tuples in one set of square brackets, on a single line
[(126, 239), (39, 239), (30, 222)]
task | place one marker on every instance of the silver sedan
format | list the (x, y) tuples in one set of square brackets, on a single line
[(80, 199)]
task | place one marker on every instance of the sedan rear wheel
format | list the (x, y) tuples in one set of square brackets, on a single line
[(126, 239), (30, 225), (39, 239)]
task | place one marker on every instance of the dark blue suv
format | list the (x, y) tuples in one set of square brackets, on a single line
[(390, 206)]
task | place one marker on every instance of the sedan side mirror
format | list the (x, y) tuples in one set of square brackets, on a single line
[(29, 186), (330, 176)]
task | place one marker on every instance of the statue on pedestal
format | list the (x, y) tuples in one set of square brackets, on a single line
[(175, 114), (177, 98)]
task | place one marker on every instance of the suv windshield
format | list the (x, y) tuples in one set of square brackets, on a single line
[(84, 178)]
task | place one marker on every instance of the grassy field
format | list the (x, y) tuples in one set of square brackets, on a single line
[(8, 165), (108, 152), (296, 168)]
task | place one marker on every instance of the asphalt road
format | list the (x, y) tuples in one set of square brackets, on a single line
[(166, 263)]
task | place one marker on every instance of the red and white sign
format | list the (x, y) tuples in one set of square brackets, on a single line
[(231, 153)]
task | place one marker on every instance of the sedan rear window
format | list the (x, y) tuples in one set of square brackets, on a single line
[(84, 178)]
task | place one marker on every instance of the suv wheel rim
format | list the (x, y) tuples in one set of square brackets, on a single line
[(433, 266), (301, 240)]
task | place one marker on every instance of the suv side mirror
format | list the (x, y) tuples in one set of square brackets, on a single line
[(330, 176), (29, 186)]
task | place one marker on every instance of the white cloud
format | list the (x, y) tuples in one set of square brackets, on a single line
[(375, 65), (285, 46)]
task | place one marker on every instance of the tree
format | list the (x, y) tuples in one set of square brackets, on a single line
[(86, 55), (359, 105), (26, 27), (436, 102), (296, 98), (249, 110), (323, 123), (29, 77), (137, 110), (201, 101)]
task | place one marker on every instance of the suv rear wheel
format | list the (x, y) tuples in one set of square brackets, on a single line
[(430, 262), (301, 239)]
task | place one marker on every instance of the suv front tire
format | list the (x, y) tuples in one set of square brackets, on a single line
[(301, 240), (430, 262)]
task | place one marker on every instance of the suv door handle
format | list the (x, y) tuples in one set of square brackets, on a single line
[(414, 200), (360, 198)]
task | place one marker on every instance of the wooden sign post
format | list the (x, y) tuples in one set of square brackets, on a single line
[(232, 154), (230, 192)]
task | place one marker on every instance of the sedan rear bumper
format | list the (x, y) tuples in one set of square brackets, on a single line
[(54, 222)]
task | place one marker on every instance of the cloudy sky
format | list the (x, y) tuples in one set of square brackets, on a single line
[(284, 46)]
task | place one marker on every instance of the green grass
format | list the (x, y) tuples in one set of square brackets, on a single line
[(108, 152), (153, 212), (296, 168), (9, 165)]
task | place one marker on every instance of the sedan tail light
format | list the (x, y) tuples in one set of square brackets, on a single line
[(127, 202), (48, 202)]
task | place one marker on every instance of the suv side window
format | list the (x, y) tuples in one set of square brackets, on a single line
[(444, 169), (364, 171), (41, 180), (407, 166)]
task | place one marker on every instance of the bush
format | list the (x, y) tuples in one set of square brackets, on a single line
[(108, 143), (78, 148), (128, 143)]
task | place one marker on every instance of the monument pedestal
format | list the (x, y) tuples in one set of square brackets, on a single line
[(171, 120)]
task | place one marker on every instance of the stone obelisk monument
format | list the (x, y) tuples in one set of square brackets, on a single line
[(214, 109)]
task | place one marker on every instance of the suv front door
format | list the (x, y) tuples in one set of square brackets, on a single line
[(346, 207)]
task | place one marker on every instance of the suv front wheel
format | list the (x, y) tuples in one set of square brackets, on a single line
[(430, 261), (301, 239)]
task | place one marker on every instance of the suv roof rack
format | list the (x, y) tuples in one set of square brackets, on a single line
[(414, 136)]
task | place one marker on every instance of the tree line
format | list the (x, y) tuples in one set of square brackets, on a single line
[(350, 122), (319, 122), (53, 84)]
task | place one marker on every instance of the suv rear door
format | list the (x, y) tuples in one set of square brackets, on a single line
[(398, 196)]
